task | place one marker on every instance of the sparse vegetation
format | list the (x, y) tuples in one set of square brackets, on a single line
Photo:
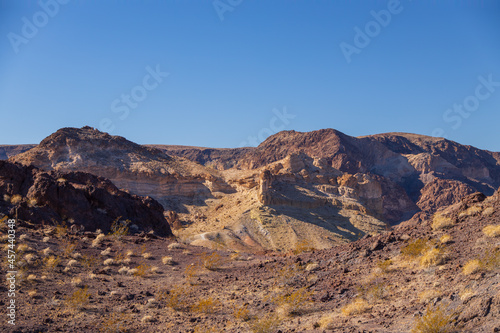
[(174, 297), (51, 262), (119, 228), (78, 299), (167, 260), (385, 266), (472, 266), (441, 221), (492, 230), (471, 211), (97, 241), (445, 239), (293, 302), (61, 229), (142, 270), (265, 324), (211, 261), (302, 246), (116, 323), (242, 313), (358, 306), (488, 211), (206, 305), (432, 257), (415, 248), (434, 320)]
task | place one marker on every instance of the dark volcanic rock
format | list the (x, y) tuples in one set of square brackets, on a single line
[(87, 200)]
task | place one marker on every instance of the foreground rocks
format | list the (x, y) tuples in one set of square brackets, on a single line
[(78, 198)]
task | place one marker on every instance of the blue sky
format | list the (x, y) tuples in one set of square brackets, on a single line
[(231, 72)]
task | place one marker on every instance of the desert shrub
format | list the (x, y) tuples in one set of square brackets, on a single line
[(373, 292), (174, 297), (288, 275), (265, 324), (488, 211), (147, 255), (116, 323), (190, 273), (492, 230), (445, 239), (167, 260), (89, 261), (432, 257), (119, 228), (491, 260), (415, 248), (358, 306), (294, 302), (441, 221), (487, 262), (142, 270), (108, 262), (68, 248), (385, 266), (79, 298), (174, 246), (472, 266), (242, 313), (429, 294), (51, 262), (97, 241), (471, 211), (302, 246), (212, 261), (61, 229), (434, 320), (206, 305)]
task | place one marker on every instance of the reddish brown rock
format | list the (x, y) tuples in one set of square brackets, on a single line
[(77, 197)]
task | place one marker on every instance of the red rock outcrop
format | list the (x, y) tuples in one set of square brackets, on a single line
[(76, 197)]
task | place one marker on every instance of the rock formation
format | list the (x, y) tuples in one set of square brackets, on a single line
[(74, 198), (292, 185)]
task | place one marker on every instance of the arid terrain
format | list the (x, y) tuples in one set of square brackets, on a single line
[(308, 232)]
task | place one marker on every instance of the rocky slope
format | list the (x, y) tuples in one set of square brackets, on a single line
[(442, 275), (75, 198), (321, 188)]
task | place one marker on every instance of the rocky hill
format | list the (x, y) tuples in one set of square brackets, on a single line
[(319, 188)]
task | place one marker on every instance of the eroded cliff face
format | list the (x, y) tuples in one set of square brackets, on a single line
[(321, 187)]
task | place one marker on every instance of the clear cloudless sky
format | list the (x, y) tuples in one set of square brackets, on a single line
[(234, 65)]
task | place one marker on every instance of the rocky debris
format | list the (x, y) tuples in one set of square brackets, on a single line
[(76, 197)]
